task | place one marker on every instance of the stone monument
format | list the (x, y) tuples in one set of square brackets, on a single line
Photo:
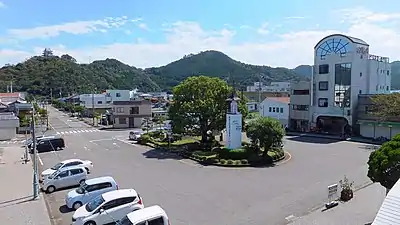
[(233, 124)]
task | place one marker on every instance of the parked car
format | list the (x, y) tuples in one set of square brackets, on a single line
[(108, 208), (89, 190), (153, 215), (67, 177), (88, 165), (29, 142), (134, 135), (49, 144)]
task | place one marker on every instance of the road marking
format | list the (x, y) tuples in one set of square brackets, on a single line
[(74, 131), (116, 145), (108, 139), (58, 133), (40, 160), (290, 218), (286, 160), (86, 148)]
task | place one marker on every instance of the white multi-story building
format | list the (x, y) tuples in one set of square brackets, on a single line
[(277, 108), (97, 101), (273, 87), (118, 95), (343, 69)]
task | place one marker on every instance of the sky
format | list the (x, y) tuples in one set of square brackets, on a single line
[(154, 33)]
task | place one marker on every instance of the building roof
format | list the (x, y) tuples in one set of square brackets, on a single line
[(10, 95), (146, 213), (352, 39), (389, 213), (279, 99), (132, 102)]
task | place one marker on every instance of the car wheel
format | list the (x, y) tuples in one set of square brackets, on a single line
[(50, 189), (82, 182), (90, 223), (87, 170), (76, 205)]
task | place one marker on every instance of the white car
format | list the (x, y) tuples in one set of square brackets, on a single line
[(66, 177), (88, 165), (108, 208), (134, 135), (149, 215)]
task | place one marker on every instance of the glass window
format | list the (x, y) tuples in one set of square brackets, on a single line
[(93, 204), (300, 107), (387, 88), (323, 69), (76, 171), (122, 120), (360, 92), (120, 109), (134, 110), (157, 221), (281, 110), (360, 74), (99, 102), (63, 174), (323, 102), (126, 221), (301, 92), (323, 85), (342, 88), (270, 109), (57, 166), (117, 95), (273, 109)]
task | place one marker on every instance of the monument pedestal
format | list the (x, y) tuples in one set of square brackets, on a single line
[(233, 131)]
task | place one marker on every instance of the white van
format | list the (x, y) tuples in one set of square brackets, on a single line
[(153, 215), (66, 177)]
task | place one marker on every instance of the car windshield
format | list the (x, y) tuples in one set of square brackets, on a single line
[(57, 166), (92, 205), (125, 221), (81, 189), (53, 175)]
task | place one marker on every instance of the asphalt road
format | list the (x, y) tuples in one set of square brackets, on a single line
[(196, 195)]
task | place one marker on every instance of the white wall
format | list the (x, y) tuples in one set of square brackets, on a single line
[(119, 95), (367, 73), (100, 101), (273, 104)]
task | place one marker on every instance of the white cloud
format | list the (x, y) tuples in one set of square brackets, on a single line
[(80, 27), (287, 49), (263, 29), (143, 26)]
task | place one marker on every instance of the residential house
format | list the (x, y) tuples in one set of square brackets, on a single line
[(11, 97), (276, 107), (118, 95), (98, 103), (129, 114), (9, 124)]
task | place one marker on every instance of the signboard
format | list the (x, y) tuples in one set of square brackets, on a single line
[(362, 50), (234, 131), (332, 192)]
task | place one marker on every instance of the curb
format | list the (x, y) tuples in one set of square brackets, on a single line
[(333, 138)]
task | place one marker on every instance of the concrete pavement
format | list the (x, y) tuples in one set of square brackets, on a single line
[(16, 204), (361, 210), (193, 194)]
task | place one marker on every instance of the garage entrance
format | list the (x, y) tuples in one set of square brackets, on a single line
[(333, 125)]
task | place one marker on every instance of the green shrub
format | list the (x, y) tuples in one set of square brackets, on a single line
[(236, 162), (229, 162), (176, 137), (204, 153), (244, 162), (144, 139), (234, 154), (223, 161)]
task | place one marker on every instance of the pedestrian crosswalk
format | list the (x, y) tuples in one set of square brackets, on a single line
[(77, 131), (14, 141)]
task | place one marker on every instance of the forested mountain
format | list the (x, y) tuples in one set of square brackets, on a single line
[(40, 75), (217, 64)]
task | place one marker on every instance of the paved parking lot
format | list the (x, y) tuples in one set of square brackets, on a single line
[(192, 194)]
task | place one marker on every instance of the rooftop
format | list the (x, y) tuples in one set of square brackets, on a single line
[(119, 193), (280, 99), (146, 213), (10, 95)]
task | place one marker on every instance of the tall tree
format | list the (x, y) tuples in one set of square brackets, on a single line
[(200, 105), (386, 106), (47, 52), (384, 163), (265, 132)]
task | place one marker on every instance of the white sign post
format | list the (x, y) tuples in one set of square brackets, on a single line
[(332, 196)]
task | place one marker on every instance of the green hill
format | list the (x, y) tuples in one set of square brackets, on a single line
[(40, 75), (217, 64)]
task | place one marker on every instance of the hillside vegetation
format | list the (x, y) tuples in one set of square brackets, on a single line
[(41, 75)]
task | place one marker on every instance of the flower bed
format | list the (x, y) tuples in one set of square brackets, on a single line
[(190, 147)]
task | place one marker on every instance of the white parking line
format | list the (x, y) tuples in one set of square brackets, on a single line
[(40, 160), (108, 139), (116, 145)]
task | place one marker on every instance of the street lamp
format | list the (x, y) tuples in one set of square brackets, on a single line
[(35, 159)]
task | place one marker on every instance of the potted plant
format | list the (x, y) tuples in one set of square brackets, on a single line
[(346, 192)]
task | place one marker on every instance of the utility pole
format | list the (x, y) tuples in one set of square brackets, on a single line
[(51, 94), (35, 161), (93, 104), (47, 116), (259, 88)]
